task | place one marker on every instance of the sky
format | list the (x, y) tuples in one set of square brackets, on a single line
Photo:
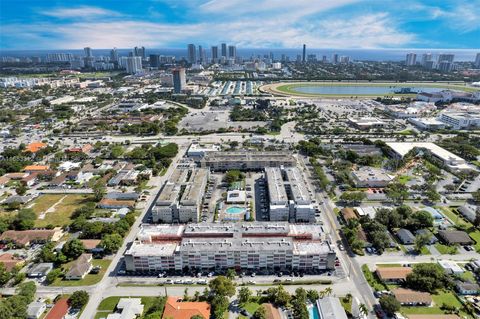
[(341, 24)]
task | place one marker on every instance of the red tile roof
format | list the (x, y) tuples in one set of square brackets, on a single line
[(175, 308), (59, 310)]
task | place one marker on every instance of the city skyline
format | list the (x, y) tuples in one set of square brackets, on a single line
[(165, 23)]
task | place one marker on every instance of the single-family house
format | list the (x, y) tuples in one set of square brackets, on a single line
[(80, 267), (409, 297), (405, 236), (393, 275), (467, 288), (455, 237), (178, 309), (36, 309)]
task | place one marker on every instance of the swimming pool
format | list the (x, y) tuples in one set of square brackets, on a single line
[(313, 312), (235, 210)]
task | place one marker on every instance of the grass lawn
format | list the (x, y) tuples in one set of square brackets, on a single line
[(455, 218), (404, 179), (107, 306), (346, 304), (89, 279), (388, 265), (444, 249), (468, 276), (251, 306), (372, 279), (425, 251), (443, 297), (60, 216), (476, 237)]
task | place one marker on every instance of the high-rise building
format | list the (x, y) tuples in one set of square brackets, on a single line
[(139, 52), (411, 59), (224, 50), (179, 80), (60, 57), (88, 52), (477, 61), (426, 57), (445, 58), (232, 52), (324, 59), (192, 54), (154, 60), (304, 55), (114, 55), (200, 54), (335, 58), (134, 64), (214, 54)]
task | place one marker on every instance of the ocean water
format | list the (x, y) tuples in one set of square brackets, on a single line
[(356, 54)]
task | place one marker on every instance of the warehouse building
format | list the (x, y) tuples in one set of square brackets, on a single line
[(288, 195), (246, 161), (181, 197), (261, 246)]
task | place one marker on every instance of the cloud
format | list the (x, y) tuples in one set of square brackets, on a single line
[(82, 12)]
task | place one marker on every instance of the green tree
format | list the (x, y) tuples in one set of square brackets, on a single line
[(313, 295), (222, 286), (25, 219), (27, 290), (260, 313), (53, 275), (389, 304), (244, 295), (476, 195), (111, 243), (4, 275), (421, 241), (353, 197), (219, 306), (21, 189), (420, 219), (231, 273), (427, 277), (397, 192), (73, 248), (78, 299), (99, 190)]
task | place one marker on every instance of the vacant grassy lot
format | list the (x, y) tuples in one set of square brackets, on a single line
[(56, 208), (89, 279), (448, 250)]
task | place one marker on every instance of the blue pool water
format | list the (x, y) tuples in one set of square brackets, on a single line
[(235, 210), (353, 90), (313, 312)]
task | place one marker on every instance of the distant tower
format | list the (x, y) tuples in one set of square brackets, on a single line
[(200, 54), (139, 52), (335, 58), (192, 54), (232, 52), (88, 52), (134, 64), (179, 80), (224, 50), (411, 59), (304, 56), (214, 54), (114, 55), (477, 61)]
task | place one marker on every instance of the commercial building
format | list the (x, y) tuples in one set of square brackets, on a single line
[(242, 246), (133, 64), (224, 161), (197, 151), (181, 197), (450, 160), (288, 195), (367, 123), (330, 308), (411, 59), (461, 120), (429, 124), (179, 80), (367, 176)]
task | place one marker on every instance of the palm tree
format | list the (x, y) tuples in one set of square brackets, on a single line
[(328, 291), (363, 309)]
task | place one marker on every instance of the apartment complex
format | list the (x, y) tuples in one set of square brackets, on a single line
[(461, 120), (242, 246), (224, 161), (288, 195), (181, 197)]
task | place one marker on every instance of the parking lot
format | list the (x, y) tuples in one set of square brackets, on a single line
[(214, 120)]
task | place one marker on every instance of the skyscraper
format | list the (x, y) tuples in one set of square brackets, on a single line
[(214, 54), (139, 52), (335, 58), (446, 57), (426, 57), (477, 61), (304, 56), (88, 52), (154, 60), (179, 80), (224, 49), (200, 54), (411, 59), (192, 54), (134, 64), (232, 52), (114, 55)]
